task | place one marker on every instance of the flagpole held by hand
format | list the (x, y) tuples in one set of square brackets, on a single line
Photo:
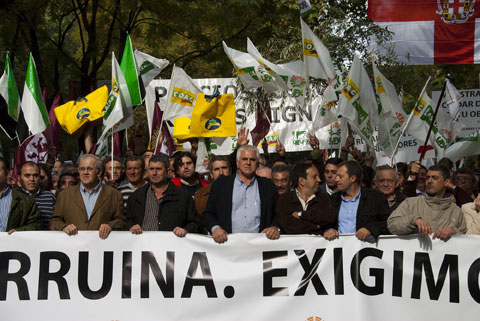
[(434, 117)]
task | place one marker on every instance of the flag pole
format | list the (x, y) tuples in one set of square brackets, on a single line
[(433, 119), (158, 134), (112, 153), (409, 120)]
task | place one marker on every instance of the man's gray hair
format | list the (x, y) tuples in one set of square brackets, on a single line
[(247, 147), (98, 161), (385, 168)]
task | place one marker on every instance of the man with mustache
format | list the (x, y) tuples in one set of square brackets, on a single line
[(432, 213), (305, 210)]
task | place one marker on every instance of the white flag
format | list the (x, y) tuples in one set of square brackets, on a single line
[(390, 112), (149, 66), (467, 146), (181, 95), (290, 76), (316, 56), (443, 131), (452, 97), (358, 103), (325, 113), (116, 107), (253, 73)]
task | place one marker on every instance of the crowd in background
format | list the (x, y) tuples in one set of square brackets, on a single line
[(244, 192)]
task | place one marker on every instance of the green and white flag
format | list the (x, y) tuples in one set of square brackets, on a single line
[(290, 76), (131, 74), (181, 95), (9, 90), (467, 146), (251, 72), (33, 107), (358, 103), (444, 131), (390, 113), (148, 66), (117, 102)]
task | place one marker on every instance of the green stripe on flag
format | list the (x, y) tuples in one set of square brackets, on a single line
[(12, 90), (129, 69), (33, 85)]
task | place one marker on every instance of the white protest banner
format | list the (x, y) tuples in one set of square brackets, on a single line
[(289, 124), (158, 276), (469, 111), (409, 149)]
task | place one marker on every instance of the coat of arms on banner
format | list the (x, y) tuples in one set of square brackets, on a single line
[(36, 150), (456, 11)]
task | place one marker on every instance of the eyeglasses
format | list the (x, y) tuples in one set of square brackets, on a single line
[(388, 181), (88, 169)]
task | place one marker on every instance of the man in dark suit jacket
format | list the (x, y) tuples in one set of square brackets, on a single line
[(160, 205), (242, 203), (90, 205), (359, 210)]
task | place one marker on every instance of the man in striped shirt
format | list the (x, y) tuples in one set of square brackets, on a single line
[(30, 185)]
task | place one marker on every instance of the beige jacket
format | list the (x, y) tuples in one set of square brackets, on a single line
[(472, 218), (438, 212)]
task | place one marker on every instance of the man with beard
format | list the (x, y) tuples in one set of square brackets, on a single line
[(187, 178)]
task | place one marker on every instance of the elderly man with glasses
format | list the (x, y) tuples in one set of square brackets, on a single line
[(90, 205)]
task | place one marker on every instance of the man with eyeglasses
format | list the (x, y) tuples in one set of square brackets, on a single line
[(387, 182), (281, 179), (463, 186), (90, 205)]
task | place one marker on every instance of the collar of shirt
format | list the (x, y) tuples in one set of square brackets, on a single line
[(328, 189), (302, 201), (95, 190), (239, 180), (6, 192), (31, 194), (184, 182), (354, 199)]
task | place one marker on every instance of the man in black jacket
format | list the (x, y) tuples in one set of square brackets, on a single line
[(242, 203), (160, 205), (360, 211), (305, 210)]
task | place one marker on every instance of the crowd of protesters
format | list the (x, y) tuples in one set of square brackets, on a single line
[(245, 192)]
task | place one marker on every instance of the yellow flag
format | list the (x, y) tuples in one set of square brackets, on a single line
[(213, 116), (75, 115), (181, 128)]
